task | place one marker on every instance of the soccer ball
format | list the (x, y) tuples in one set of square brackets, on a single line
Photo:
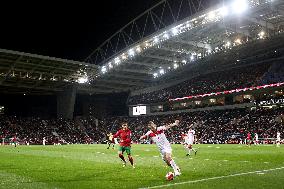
[(170, 176)]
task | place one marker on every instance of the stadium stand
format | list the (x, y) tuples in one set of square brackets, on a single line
[(219, 126), (32, 130), (259, 62)]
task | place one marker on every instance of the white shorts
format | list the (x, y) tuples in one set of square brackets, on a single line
[(165, 149), (189, 141), (278, 140)]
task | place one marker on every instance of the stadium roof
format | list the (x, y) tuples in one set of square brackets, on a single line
[(136, 59), (36, 73), (170, 35)]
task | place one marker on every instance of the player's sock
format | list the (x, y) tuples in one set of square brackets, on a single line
[(122, 158), (175, 167), (167, 162), (130, 160), (189, 151), (195, 151)]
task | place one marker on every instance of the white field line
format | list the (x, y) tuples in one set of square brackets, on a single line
[(213, 178)]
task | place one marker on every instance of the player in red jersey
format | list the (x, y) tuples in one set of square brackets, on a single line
[(125, 143), (248, 139), (14, 140)]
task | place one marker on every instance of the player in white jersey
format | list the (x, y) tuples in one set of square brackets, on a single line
[(190, 140), (256, 142), (278, 139), (43, 141), (158, 136)]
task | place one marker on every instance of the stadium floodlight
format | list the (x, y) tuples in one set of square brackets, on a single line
[(166, 36), (131, 52), (188, 25), (175, 65), (117, 61), (175, 31), (211, 15), (155, 75), (162, 71), (110, 66), (169, 68), (123, 56), (228, 44), (82, 80), (147, 44), (261, 34), (138, 49), (240, 6), (104, 69), (224, 11), (156, 40), (238, 41)]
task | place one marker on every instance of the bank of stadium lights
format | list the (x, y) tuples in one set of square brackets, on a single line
[(174, 31), (166, 36), (123, 56), (110, 66), (104, 69), (83, 80), (117, 61), (155, 75), (228, 44), (156, 40), (131, 53), (261, 35), (175, 65), (138, 49), (236, 7), (238, 41)]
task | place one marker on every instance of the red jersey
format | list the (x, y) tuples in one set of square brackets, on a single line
[(248, 136), (125, 137), (14, 139)]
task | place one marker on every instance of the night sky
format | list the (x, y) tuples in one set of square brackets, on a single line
[(68, 30)]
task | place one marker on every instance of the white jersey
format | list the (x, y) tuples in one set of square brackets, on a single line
[(278, 136), (190, 134), (256, 136), (160, 139)]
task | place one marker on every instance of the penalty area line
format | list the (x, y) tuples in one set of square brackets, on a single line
[(213, 178)]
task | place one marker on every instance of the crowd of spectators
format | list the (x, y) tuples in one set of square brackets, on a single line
[(33, 130), (274, 75), (212, 82), (219, 126)]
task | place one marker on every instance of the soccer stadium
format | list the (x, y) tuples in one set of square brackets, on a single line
[(186, 94)]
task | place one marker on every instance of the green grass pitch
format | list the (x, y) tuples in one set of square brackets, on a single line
[(93, 166)]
